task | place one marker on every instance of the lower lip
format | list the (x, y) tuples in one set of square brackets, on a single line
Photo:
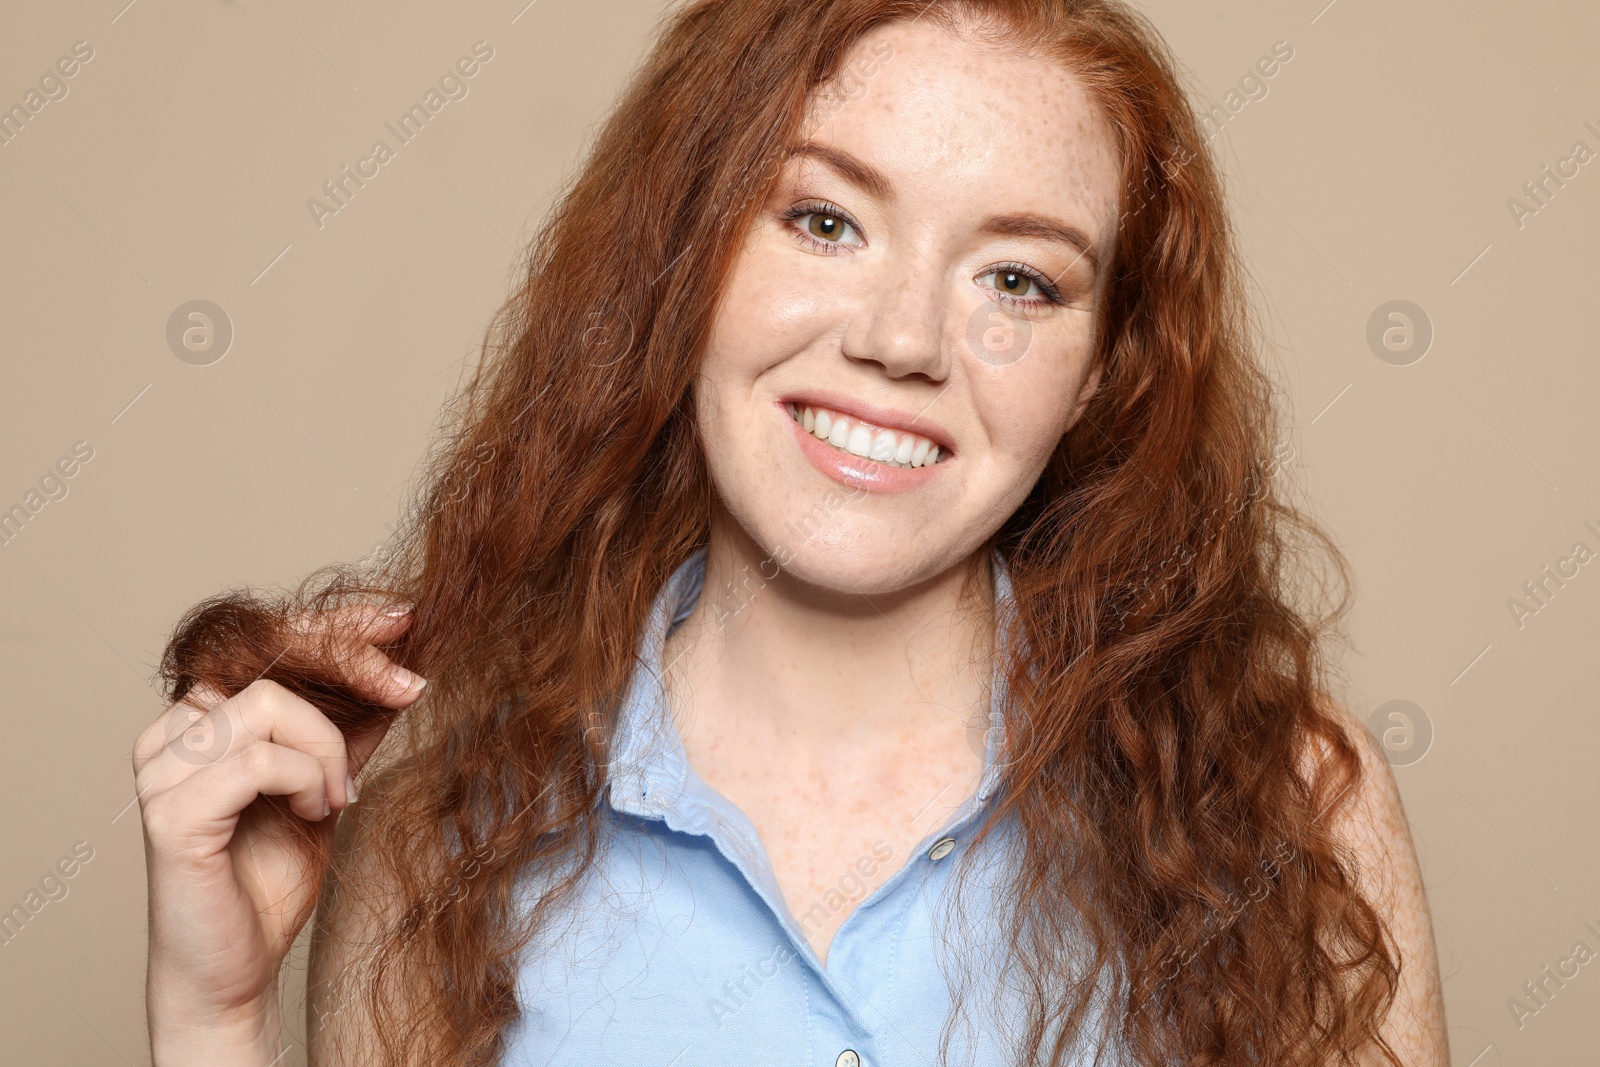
[(858, 472)]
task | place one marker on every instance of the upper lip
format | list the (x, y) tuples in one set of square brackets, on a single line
[(888, 418)]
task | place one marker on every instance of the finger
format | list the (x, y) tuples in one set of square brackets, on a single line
[(378, 624), (268, 712), (347, 635), (378, 678), (173, 721), (263, 711), (206, 803), (367, 623)]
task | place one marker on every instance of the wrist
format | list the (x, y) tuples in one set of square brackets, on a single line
[(250, 1035)]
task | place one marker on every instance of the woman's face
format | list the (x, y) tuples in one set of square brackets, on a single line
[(928, 272)]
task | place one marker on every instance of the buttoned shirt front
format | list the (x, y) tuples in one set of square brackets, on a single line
[(680, 948)]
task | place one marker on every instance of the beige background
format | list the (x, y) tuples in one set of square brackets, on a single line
[(178, 167)]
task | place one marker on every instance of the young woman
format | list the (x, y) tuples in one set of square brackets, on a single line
[(859, 614)]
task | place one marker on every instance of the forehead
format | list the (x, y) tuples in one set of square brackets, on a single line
[(946, 115)]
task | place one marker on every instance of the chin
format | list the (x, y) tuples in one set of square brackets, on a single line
[(854, 561)]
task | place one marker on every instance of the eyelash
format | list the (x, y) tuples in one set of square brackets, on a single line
[(1052, 295), (818, 207)]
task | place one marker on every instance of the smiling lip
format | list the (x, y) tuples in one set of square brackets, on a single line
[(887, 418), (858, 472)]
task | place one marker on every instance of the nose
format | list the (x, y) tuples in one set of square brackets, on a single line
[(901, 324)]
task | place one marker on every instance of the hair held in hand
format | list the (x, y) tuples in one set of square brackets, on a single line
[(1169, 758)]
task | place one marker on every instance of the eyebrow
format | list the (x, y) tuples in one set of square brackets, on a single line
[(853, 170), (1027, 224), (1020, 224)]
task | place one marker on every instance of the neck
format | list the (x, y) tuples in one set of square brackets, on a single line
[(766, 654)]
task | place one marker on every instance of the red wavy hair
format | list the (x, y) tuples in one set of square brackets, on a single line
[(1168, 717)]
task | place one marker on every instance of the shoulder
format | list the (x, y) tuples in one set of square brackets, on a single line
[(1367, 812), (1368, 823)]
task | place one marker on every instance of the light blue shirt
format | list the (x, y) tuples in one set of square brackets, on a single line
[(680, 948)]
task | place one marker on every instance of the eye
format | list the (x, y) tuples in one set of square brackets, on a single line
[(1014, 280), (821, 225)]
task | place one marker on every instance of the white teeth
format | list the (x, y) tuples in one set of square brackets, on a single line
[(860, 441), (892, 447), (839, 435)]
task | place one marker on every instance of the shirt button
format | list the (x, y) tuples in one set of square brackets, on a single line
[(941, 848), (848, 1058)]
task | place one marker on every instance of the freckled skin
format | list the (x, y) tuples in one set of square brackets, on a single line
[(962, 131), (836, 706), (1371, 822)]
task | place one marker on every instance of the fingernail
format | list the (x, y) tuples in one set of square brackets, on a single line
[(327, 807), (350, 794), (406, 680), (395, 613)]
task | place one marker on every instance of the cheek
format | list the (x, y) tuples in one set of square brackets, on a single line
[(751, 333), (1029, 404), (768, 312), (1032, 429)]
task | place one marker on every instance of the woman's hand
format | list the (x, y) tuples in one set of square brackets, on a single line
[(232, 878)]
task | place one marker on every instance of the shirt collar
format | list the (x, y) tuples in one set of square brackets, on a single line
[(649, 768)]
